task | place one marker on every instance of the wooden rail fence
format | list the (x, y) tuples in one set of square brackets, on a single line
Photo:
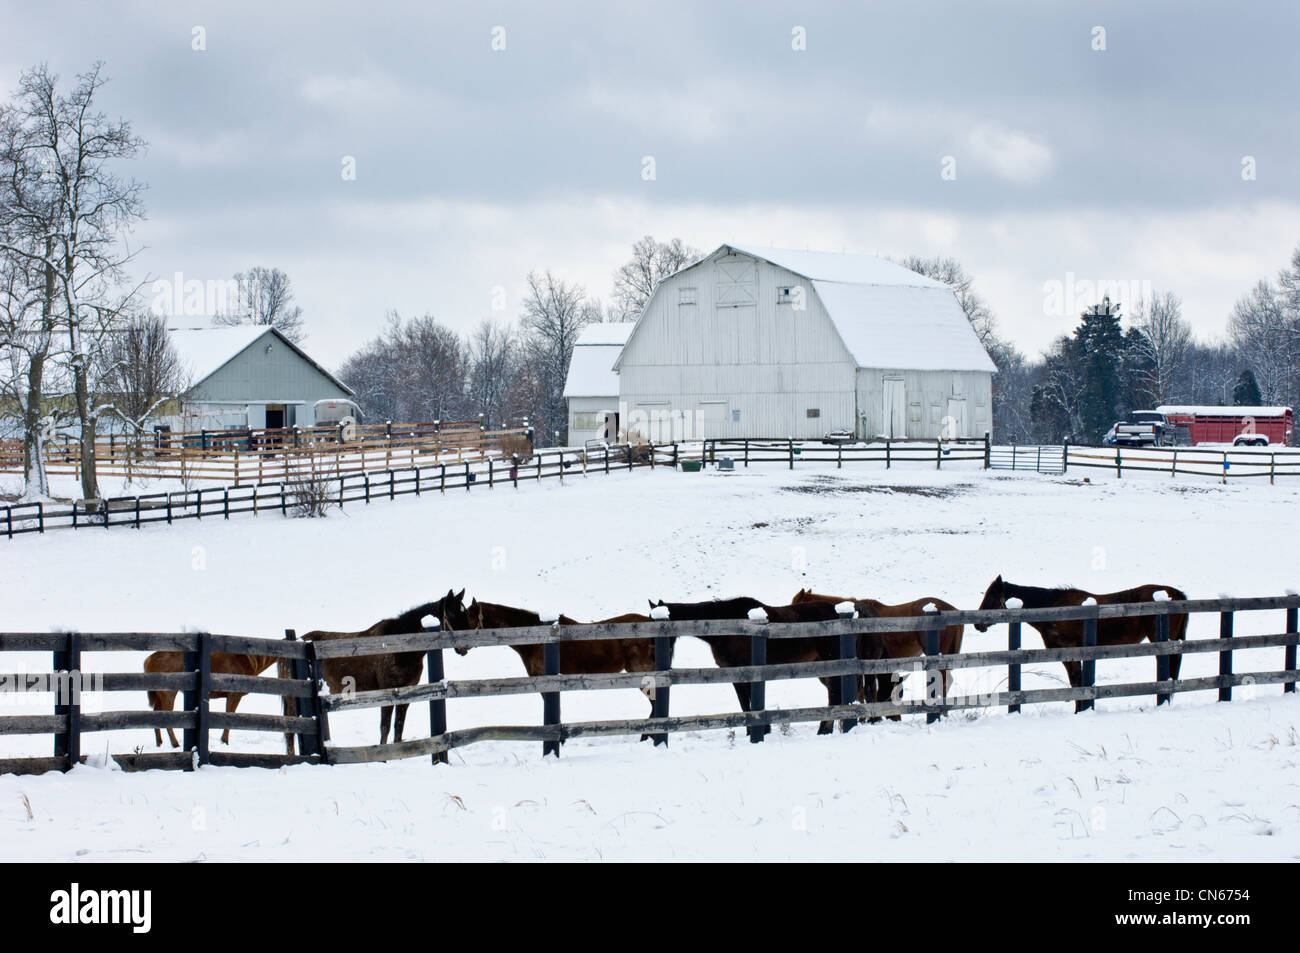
[(241, 457), (309, 721)]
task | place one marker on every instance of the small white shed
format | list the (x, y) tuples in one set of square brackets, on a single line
[(591, 388)]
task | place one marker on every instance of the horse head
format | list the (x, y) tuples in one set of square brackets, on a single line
[(994, 598), (473, 619), (803, 595), (454, 616)]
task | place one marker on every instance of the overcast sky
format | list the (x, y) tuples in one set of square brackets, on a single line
[(475, 165)]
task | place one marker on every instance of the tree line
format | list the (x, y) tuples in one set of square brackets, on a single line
[(501, 374)]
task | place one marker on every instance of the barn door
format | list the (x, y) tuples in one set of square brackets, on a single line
[(955, 423), (737, 282), (895, 416)]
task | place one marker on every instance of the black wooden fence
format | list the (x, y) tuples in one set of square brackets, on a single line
[(288, 498), (309, 721)]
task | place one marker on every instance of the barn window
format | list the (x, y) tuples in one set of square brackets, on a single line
[(735, 416), (814, 412), (686, 296)]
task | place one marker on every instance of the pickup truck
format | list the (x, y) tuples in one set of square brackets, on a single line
[(1145, 428)]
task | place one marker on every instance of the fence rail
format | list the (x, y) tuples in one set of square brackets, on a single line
[(307, 711), (241, 457)]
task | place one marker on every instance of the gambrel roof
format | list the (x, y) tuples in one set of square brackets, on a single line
[(888, 316)]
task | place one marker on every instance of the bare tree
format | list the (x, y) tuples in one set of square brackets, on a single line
[(1164, 344), (554, 314), (651, 262), (493, 358), (266, 297), (72, 220), (1264, 334), (142, 371)]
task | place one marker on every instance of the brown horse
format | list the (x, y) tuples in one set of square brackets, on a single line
[(221, 663), (883, 645), (591, 657), (1063, 634), (367, 673), (731, 651)]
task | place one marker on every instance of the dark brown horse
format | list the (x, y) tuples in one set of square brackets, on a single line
[(368, 673), (588, 657), (883, 645), (1063, 634), (221, 663), (730, 651)]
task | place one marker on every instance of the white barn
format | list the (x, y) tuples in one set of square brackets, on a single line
[(591, 388), (766, 342)]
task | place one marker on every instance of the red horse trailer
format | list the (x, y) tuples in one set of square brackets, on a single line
[(1227, 424)]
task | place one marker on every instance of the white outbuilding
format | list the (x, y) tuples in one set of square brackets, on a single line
[(591, 388), (766, 342)]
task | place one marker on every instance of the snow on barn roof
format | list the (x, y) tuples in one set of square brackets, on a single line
[(591, 372), (900, 327), (829, 266), (205, 350), (888, 316), (1207, 411)]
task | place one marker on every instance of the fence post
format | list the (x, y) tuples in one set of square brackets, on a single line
[(67, 701), (746, 452), (988, 449), (40, 514), (551, 700), (1013, 669), (792, 454), (366, 474), (442, 488), (934, 692), (1088, 668), (1119, 471), (318, 708), (1162, 661), (466, 476), (626, 446), (849, 682), (1289, 663), (9, 519), (225, 502), (302, 707), (1065, 455), (491, 475), (392, 489), (1225, 657), (757, 690), (675, 455), (938, 453), (887, 454), (205, 694), (437, 706), (659, 701)]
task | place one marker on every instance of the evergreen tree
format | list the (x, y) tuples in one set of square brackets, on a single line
[(1102, 346), (1246, 391)]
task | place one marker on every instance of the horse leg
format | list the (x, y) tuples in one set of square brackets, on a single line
[(385, 719), (400, 722), (163, 701), (885, 690), (232, 702), (832, 699), (1074, 671)]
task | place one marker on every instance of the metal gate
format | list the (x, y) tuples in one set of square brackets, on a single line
[(1049, 459)]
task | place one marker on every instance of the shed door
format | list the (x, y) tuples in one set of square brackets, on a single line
[(895, 414), (955, 424)]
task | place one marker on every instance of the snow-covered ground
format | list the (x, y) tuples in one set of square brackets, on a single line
[(1195, 780)]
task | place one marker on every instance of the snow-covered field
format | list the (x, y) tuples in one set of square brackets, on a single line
[(1196, 780)]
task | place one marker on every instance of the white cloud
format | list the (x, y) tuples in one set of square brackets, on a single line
[(1010, 154)]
